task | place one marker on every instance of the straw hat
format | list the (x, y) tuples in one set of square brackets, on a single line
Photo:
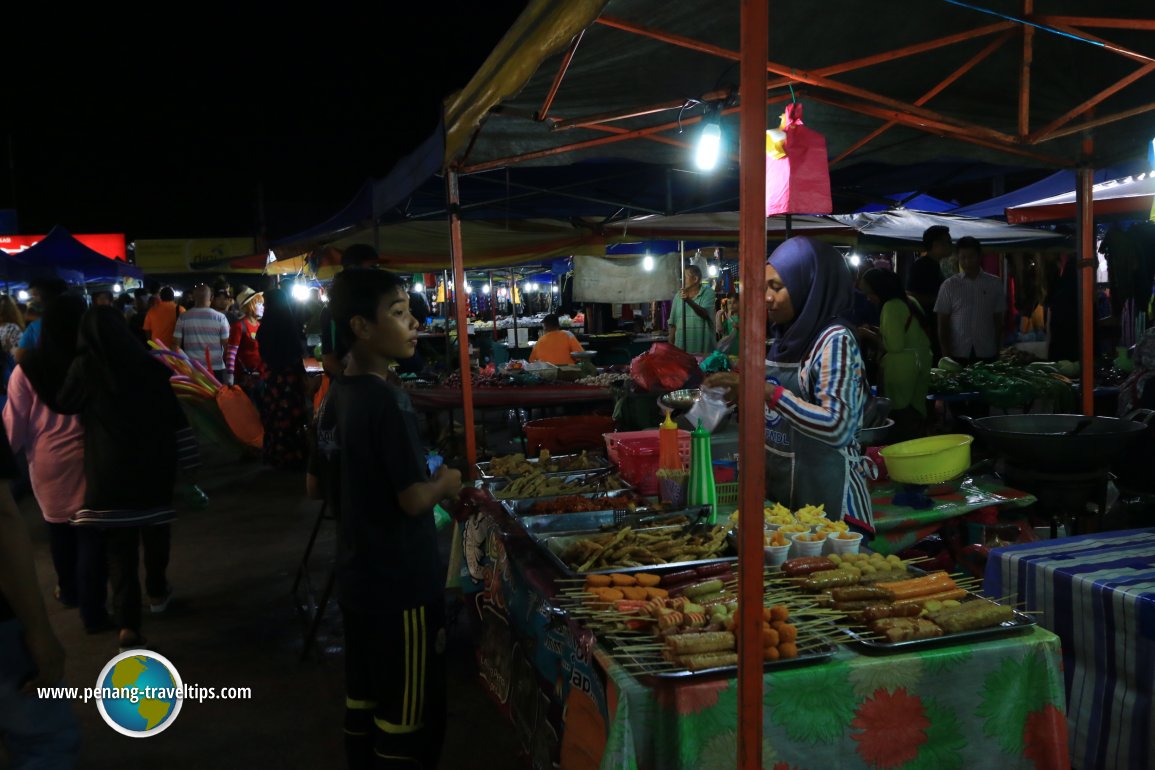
[(244, 296)]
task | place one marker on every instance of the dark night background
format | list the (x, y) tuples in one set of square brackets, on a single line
[(166, 126)]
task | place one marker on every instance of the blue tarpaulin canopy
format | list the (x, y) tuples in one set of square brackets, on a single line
[(61, 254)]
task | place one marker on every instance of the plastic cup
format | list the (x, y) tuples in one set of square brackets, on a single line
[(807, 547), (844, 544), (776, 554)]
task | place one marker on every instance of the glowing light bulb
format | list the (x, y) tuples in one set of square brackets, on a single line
[(300, 292), (712, 271), (419, 287), (485, 288), (855, 260), (648, 263), (709, 147)]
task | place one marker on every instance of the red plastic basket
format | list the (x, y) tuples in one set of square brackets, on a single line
[(636, 455), (561, 435)]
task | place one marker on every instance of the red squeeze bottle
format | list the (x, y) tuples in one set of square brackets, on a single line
[(668, 458)]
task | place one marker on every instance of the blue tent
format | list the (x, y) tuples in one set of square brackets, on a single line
[(1056, 184), (61, 254)]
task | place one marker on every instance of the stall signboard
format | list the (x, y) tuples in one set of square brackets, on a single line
[(625, 280), (186, 255), (111, 245)]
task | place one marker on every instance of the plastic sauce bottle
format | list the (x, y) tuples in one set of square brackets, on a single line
[(701, 490), (668, 459)]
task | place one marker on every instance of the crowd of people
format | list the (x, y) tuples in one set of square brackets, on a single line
[(85, 401)]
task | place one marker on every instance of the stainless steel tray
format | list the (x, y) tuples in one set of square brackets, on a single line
[(552, 544), (497, 484), (1019, 623), (593, 521), (520, 506), (640, 670), (604, 465)]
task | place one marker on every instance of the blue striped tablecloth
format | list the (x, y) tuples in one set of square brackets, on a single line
[(1097, 592)]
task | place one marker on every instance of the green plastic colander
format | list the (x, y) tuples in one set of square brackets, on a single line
[(930, 460)]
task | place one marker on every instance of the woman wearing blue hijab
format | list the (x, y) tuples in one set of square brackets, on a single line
[(815, 384)]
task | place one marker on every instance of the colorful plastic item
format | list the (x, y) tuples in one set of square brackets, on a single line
[(930, 460)]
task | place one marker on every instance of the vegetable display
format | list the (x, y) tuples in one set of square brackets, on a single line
[(1005, 383)]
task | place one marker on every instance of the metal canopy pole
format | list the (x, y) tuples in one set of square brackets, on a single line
[(751, 398), (457, 260), (1088, 261)]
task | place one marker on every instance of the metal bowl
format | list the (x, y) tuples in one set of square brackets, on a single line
[(876, 435), (680, 400)]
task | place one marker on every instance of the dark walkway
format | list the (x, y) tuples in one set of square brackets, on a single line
[(233, 623)]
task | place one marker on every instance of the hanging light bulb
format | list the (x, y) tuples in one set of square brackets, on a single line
[(648, 263), (855, 260), (555, 288), (485, 288), (709, 147), (712, 271), (468, 289), (117, 288), (419, 287)]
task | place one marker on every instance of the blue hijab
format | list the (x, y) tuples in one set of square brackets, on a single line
[(821, 291)]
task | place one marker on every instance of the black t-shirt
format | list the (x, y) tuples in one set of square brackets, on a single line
[(7, 473), (325, 322), (369, 450), (925, 278)]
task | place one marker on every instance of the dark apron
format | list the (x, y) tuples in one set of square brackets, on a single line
[(801, 470)]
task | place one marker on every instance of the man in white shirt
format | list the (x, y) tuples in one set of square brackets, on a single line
[(970, 309), (202, 332)]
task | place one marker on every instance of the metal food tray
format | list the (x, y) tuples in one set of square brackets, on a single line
[(593, 521), (1020, 622), (809, 657), (520, 506), (552, 543), (483, 467)]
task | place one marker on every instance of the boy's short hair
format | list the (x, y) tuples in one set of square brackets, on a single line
[(167, 294), (357, 293), (551, 322), (969, 242), (933, 234)]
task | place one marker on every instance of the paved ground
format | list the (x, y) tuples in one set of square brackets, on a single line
[(234, 623)]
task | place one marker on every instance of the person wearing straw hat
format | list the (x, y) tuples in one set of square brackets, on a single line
[(242, 344)]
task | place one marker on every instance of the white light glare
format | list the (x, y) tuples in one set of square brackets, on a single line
[(485, 288), (648, 263), (419, 287), (23, 296), (531, 286), (468, 289), (855, 260), (300, 292), (117, 288), (556, 289), (177, 293), (712, 271), (709, 147)]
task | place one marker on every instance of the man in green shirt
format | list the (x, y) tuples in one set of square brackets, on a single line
[(691, 326)]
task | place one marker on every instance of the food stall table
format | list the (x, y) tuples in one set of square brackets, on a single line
[(525, 396), (899, 527), (998, 703), (1097, 592)]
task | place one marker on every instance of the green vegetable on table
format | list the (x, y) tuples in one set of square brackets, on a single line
[(1004, 383)]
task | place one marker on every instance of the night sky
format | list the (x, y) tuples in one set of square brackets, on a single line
[(176, 127)]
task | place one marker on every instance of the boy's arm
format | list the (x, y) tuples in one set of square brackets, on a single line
[(418, 499)]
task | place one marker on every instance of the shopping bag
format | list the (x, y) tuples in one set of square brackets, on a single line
[(241, 416), (797, 171)]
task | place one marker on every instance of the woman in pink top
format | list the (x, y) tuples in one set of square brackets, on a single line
[(54, 446)]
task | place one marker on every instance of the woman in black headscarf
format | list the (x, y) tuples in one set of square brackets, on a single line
[(815, 383), (283, 401), (135, 436)]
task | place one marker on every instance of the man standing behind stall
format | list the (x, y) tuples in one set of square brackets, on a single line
[(970, 309), (691, 325), (202, 332), (926, 276)]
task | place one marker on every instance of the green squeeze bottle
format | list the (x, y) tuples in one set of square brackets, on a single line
[(701, 490)]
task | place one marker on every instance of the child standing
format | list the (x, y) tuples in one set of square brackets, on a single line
[(390, 576)]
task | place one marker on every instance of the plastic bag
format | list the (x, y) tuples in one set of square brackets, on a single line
[(799, 181), (710, 409), (665, 367)]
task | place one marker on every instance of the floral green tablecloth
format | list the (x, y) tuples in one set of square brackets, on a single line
[(995, 704), (899, 527)]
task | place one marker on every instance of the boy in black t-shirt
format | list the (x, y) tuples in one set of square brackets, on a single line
[(390, 576)]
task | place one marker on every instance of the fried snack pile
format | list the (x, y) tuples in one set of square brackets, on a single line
[(630, 548)]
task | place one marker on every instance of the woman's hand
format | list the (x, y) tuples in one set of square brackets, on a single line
[(727, 380)]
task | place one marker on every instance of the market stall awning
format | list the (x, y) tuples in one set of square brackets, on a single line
[(1130, 197), (905, 228), (60, 251)]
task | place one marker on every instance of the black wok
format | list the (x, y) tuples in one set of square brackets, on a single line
[(1057, 442)]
